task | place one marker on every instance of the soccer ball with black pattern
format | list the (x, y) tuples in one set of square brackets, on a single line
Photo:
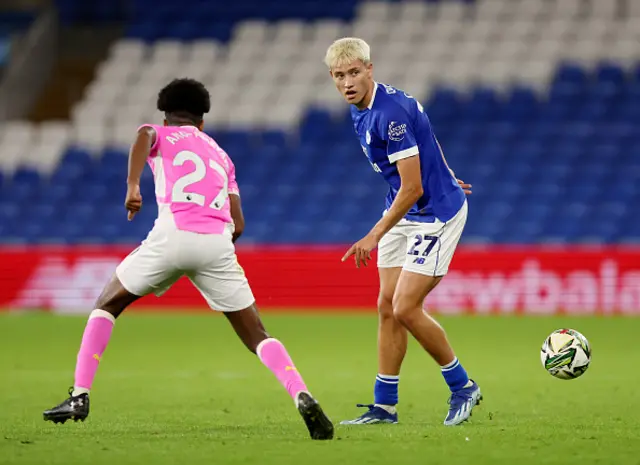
[(566, 354)]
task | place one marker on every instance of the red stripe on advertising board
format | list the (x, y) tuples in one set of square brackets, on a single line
[(497, 279)]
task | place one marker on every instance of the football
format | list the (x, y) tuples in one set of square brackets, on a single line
[(566, 354)]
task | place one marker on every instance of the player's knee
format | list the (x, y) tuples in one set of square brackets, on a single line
[(385, 306), (405, 311)]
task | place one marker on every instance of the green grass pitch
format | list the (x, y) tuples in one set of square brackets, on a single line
[(181, 389)]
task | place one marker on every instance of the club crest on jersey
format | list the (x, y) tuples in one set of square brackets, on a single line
[(397, 131), (367, 137)]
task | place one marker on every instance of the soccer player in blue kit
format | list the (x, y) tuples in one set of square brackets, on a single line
[(426, 210)]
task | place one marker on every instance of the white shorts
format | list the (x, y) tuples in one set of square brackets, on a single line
[(208, 260), (423, 248)]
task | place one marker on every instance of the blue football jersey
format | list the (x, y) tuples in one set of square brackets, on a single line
[(394, 126)]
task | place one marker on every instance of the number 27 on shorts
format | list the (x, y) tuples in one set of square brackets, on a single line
[(422, 247)]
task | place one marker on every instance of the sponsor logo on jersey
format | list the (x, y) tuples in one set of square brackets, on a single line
[(397, 131), (389, 89)]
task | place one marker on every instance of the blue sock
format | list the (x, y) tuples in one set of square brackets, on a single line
[(385, 391), (455, 375)]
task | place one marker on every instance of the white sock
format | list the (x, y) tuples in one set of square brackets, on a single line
[(450, 364), (79, 390), (297, 398), (389, 408)]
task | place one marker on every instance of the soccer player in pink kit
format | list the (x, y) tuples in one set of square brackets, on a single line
[(199, 219)]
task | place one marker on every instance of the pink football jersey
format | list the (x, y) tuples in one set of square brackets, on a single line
[(193, 179)]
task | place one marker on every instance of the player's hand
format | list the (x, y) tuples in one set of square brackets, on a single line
[(465, 187), (362, 250), (133, 201)]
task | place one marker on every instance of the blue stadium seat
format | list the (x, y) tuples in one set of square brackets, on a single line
[(569, 73), (610, 73)]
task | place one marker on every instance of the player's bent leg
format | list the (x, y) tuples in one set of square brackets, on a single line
[(392, 347), (273, 354), (408, 301), (392, 336), (223, 284), (143, 271), (110, 304), (408, 308)]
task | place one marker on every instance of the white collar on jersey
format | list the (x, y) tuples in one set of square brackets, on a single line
[(373, 96)]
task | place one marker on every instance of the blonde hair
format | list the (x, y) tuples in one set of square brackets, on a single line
[(346, 50)]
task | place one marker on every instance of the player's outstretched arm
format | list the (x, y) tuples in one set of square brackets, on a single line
[(137, 158), (408, 194), (236, 215)]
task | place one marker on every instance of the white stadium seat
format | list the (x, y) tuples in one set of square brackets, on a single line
[(202, 51), (128, 50), (168, 51), (12, 154), (327, 31), (377, 10), (251, 31)]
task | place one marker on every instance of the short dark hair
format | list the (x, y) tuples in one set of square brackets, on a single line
[(184, 98)]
